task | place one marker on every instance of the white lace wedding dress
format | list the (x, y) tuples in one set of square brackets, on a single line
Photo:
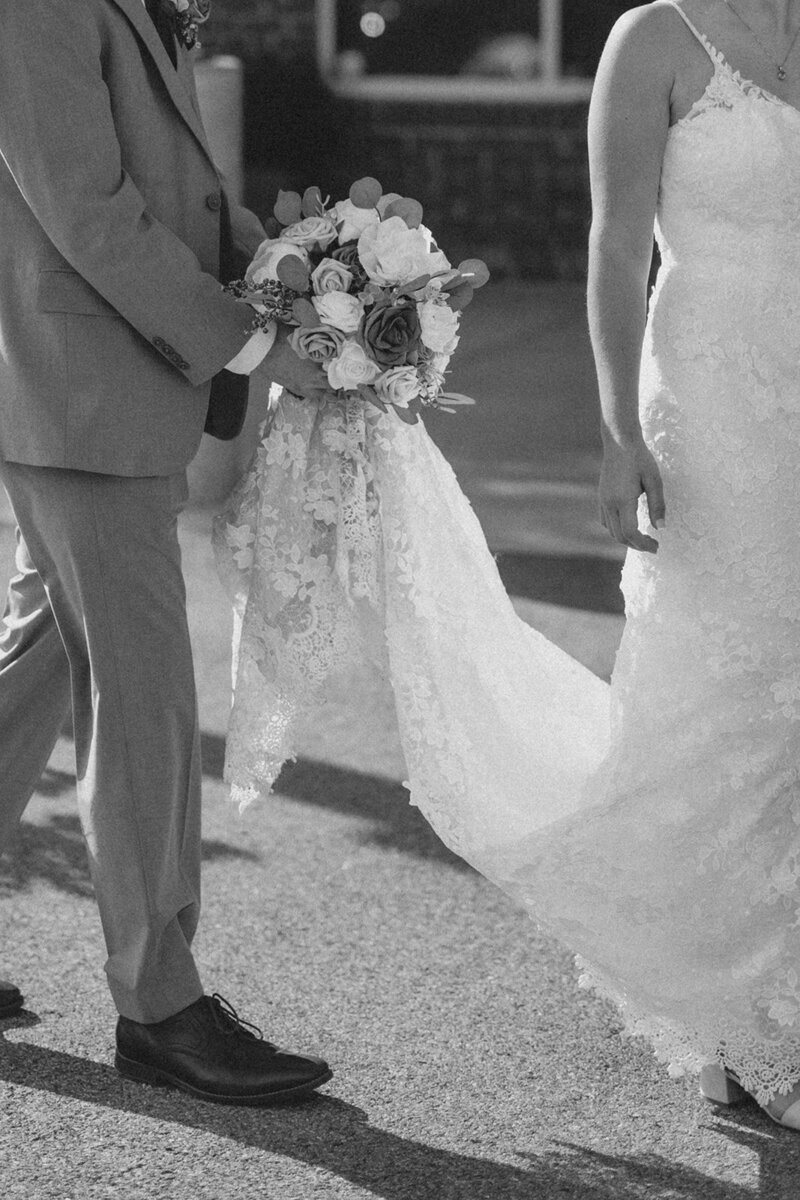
[(654, 826)]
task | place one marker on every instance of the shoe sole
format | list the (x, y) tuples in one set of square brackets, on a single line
[(144, 1073), (11, 1010)]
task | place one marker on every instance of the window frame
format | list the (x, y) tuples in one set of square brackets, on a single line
[(551, 87)]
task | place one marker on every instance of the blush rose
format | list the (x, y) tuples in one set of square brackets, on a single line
[(398, 387), (321, 344), (339, 309), (351, 368), (331, 276), (311, 232)]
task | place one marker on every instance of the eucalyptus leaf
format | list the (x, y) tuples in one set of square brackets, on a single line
[(475, 271), (366, 192), (416, 284), (293, 273), (288, 207), (456, 398), (305, 313), (369, 393), (312, 203), (409, 415), (459, 297), (407, 209)]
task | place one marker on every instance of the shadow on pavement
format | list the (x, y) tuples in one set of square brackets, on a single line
[(570, 581), (336, 1137), (55, 852), (395, 824)]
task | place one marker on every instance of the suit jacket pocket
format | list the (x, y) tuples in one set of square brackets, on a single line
[(68, 292)]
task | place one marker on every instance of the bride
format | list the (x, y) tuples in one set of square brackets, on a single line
[(653, 826)]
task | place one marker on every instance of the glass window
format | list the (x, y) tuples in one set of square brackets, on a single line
[(441, 37), (500, 39)]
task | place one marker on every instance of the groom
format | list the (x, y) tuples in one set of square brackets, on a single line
[(112, 327)]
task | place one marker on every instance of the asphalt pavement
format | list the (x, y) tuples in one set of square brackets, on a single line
[(469, 1066)]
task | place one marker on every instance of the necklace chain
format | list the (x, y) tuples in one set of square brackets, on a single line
[(780, 67)]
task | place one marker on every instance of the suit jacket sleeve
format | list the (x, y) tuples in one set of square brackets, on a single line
[(58, 140)]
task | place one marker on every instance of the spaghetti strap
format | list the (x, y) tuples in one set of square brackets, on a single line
[(710, 50)]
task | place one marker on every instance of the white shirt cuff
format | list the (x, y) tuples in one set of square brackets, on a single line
[(254, 351)]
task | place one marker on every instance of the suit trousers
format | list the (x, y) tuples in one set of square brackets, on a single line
[(96, 622)]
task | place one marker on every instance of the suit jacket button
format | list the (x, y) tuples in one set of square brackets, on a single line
[(171, 353), (214, 201)]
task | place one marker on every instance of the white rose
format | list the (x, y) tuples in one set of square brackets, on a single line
[(331, 276), (310, 232), (398, 386), (426, 233), (269, 254), (340, 310), (353, 220), (351, 368), (439, 326), (391, 253)]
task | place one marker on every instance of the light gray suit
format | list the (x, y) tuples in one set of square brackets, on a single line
[(112, 325)]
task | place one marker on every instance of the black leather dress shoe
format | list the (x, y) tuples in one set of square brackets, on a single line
[(11, 999), (208, 1051)]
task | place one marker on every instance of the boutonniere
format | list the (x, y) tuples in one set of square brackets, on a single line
[(186, 15)]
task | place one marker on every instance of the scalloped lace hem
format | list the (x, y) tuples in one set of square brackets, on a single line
[(765, 1068)]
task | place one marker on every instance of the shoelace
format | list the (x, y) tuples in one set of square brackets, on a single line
[(228, 1020)]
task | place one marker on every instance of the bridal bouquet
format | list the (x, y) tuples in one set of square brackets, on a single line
[(372, 298)]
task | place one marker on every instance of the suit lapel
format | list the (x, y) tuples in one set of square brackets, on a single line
[(176, 81)]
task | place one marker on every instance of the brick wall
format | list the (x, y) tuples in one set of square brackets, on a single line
[(504, 182)]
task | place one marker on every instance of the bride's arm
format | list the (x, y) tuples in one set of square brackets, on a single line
[(628, 126)]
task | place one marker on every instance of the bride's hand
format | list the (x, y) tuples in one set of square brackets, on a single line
[(628, 470)]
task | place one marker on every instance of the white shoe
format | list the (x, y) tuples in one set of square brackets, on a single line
[(722, 1087)]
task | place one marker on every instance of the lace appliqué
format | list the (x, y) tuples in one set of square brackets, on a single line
[(721, 92), (298, 548)]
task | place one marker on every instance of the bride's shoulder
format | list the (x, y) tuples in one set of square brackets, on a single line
[(651, 38), (656, 27)]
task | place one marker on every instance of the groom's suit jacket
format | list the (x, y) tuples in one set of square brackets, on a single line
[(112, 321)]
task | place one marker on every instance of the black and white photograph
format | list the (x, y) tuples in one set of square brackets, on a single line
[(400, 654)]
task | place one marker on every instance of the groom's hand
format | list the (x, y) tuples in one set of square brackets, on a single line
[(298, 375)]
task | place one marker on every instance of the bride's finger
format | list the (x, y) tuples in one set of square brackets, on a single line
[(613, 525), (632, 535)]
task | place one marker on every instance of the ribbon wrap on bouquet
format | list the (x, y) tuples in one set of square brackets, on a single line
[(358, 537)]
